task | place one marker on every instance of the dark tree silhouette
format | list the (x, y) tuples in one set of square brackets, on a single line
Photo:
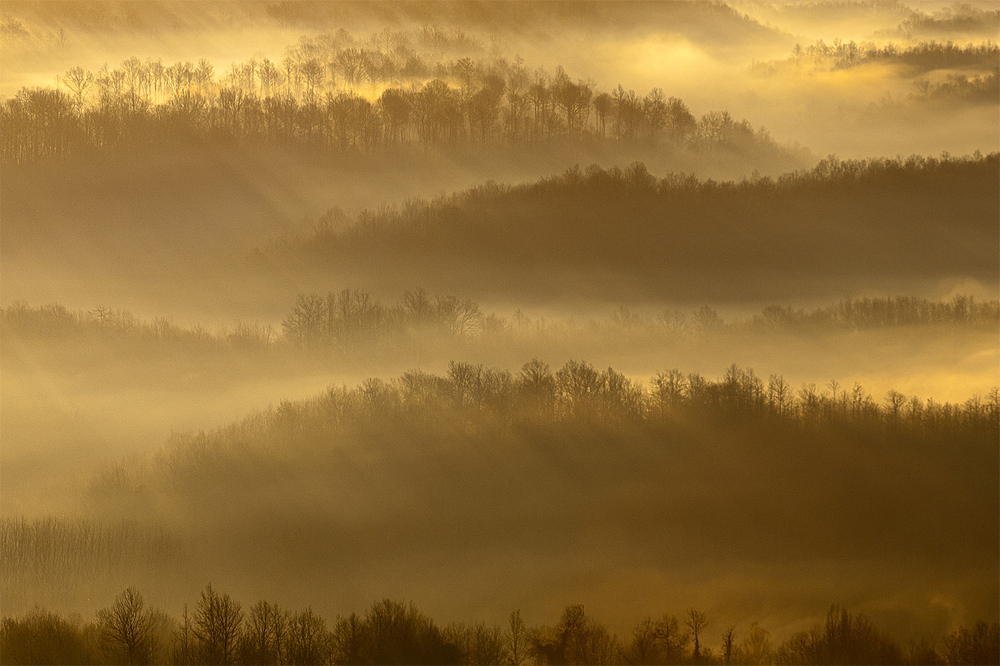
[(696, 621), (218, 621), (127, 628)]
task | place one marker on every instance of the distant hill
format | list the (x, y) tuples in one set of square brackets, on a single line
[(598, 233)]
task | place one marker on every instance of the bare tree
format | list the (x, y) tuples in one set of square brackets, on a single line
[(756, 647), (657, 114), (79, 83), (696, 621), (350, 636), (127, 627), (461, 319), (217, 623), (479, 643), (305, 323), (604, 107), (183, 641), (308, 641), (894, 401), (727, 644), (313, 73), (264, 641), (671, 638), (642, 649), (517, 639)]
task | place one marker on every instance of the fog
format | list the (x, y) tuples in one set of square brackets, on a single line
[(654, 307)]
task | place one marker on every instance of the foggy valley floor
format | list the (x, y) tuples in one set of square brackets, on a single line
[(646, 332)]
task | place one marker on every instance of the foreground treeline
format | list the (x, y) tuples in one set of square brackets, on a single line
[(220, 630), (349, 317), (333, 94)]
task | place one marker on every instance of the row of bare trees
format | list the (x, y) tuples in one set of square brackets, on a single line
[(48, 552), (868, 313), (220, 631), (351, 317), (146, 104), (497, 399), (926, 56)]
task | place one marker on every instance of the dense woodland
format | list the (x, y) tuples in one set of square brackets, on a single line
[(609, 230), (597, 424), (498, 401), (482, 457), (221, 630)]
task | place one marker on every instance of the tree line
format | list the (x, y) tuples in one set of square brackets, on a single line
[(220, 630), (982, 88), (347, 318), (594, 423), (580, 392), (314, 98), (922, 57), (959, 19)]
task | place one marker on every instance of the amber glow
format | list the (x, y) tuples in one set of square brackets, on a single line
[(593, 311)]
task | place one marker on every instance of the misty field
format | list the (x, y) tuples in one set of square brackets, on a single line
[(484, 332)]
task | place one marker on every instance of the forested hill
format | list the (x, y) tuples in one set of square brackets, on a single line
[(429, 88), (844, 225), (463, 106), (479, 428), (577, 463)]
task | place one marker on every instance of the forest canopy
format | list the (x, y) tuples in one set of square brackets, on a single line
[(882, 222)]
